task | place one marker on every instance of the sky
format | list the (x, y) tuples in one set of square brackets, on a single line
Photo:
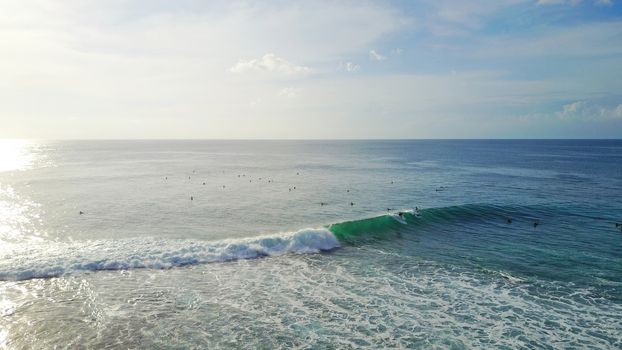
[(276, 69)]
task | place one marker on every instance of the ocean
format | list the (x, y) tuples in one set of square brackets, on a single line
[(195, 244)]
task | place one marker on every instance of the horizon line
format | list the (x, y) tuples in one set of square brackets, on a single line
[(310, 139)]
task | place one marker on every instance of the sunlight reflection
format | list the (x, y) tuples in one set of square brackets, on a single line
[(15, 155), (18, 215), (18, 218)]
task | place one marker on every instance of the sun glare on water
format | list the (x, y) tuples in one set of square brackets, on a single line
[(18, 214), (15, 155)]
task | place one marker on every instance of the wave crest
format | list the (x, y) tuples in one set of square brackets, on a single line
[(51, 259)]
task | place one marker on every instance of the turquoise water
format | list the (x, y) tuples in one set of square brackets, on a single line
[(290, 244)]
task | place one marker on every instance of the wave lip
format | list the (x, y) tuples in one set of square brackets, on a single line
[(52, 259)]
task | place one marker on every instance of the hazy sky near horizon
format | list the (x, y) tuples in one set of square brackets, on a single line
[(310, 69)]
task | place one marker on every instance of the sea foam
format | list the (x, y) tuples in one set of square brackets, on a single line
[(50, 259)]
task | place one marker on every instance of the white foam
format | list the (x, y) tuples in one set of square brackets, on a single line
[(49, 259)]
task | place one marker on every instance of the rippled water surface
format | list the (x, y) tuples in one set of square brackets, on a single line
[(281, 244)]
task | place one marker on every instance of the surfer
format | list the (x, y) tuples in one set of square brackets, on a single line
[(81, 212), (536, 223)]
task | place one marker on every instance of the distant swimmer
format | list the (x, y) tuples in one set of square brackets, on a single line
[(509, 220), (391, 182), (536, 223), (188, 177), (297, 173), (400, 214), (81, 212), (166, 178), (323, 203), (294, 187), (191, 198), (347, 190), (351, 203), (223, 186), (204, 184)]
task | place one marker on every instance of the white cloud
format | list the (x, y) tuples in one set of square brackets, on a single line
[(584, 110), (256, 102), (570, 110), (166, 64), (168, 67), (350, 67), (288, 92), (270, 63), (376, 56)]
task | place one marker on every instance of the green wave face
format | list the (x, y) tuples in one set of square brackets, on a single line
[(390, 225), (358, 231)]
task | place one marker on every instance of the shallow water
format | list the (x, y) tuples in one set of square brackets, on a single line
[(255, 260)]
